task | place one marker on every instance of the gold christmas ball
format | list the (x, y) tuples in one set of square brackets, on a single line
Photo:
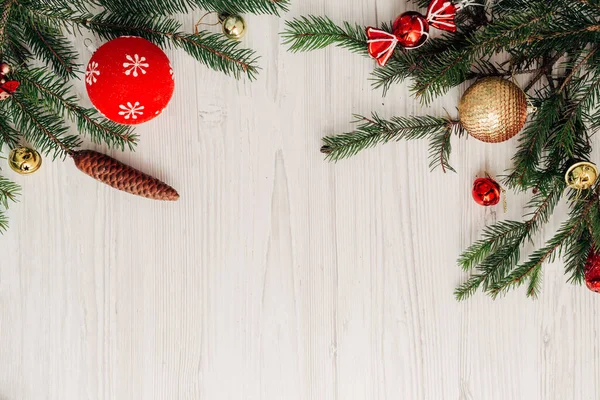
[(234, 26), (493, 110), (581, 175), (24, 160)]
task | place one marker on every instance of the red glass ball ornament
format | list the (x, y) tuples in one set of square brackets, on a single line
[(129, 80), (411, 29), (486, 192), (592, 271)]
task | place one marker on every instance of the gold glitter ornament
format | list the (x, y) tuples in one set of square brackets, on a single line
[(581, 175), (493, 110), (234, 26), (24, 160)]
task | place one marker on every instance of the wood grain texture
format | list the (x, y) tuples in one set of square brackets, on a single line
[(278, 275)]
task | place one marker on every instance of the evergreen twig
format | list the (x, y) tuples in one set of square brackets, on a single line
[(40, 31), (552, 39)]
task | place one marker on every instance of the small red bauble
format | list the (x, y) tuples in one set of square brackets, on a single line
[(129, 80), (592, 271), (486, 192), (411, 29)]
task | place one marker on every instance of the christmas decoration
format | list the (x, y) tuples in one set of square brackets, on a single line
[(123, 177), (7, 88), (411, 29), (234, 26), (24, 160), (4, 69), (38, 58), (129, 80), (581, 175), (493, 110), (550, 44), (592, 271), (486, 191)]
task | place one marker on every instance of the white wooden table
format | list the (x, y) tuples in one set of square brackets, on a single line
[(278, 275)]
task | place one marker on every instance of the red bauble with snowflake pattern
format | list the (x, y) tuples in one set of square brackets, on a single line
[(129, 80)]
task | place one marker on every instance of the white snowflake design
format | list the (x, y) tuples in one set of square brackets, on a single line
[(131, 110), (91, 73), (136, 63)]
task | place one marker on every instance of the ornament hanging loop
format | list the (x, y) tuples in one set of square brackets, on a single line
[(502, 191), (466, 3), (196, 29), (89, 45)]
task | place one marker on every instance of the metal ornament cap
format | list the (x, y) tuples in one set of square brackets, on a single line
[(493, 109), (234, 26), (24, 160), (582, 175)]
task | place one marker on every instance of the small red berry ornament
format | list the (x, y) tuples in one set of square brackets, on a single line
[(486, 191), (592, 271), (411, 29), (129, 80)]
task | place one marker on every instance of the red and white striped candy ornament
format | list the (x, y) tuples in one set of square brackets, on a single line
[(411, 29)]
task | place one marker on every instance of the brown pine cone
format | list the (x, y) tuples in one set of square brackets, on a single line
[(123, 177)]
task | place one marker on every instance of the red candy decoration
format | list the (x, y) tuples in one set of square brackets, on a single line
[(129, 80), (381, 45), (486, 192), (592, 271), (440, 15), (411, 29), (8, 88)]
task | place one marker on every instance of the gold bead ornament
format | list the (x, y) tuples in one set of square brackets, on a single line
[(493, 109), (581, 175), (24, 160), (234, 26)]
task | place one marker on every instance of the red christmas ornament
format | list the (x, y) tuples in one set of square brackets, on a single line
[(8, 88), (592, 271), (486, 192), (440, 15), (411, 29), (129, 80)]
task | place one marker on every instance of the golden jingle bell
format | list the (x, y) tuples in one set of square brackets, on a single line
[(581, 175), (234, 26), (24, 160)]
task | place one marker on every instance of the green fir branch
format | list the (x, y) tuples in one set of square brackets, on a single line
[(9, 192), (161, 7), (45, 130), (212, 49), (8, 135), (530, 270), (311, 33), (375, 130), (49, 45), (56, 97), (497, 253)]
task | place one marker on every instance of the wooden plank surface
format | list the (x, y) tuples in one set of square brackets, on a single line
[(278, 275)]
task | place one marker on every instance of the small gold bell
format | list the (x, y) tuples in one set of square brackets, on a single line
[(234, 26), (581, 175), (24, 160)]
